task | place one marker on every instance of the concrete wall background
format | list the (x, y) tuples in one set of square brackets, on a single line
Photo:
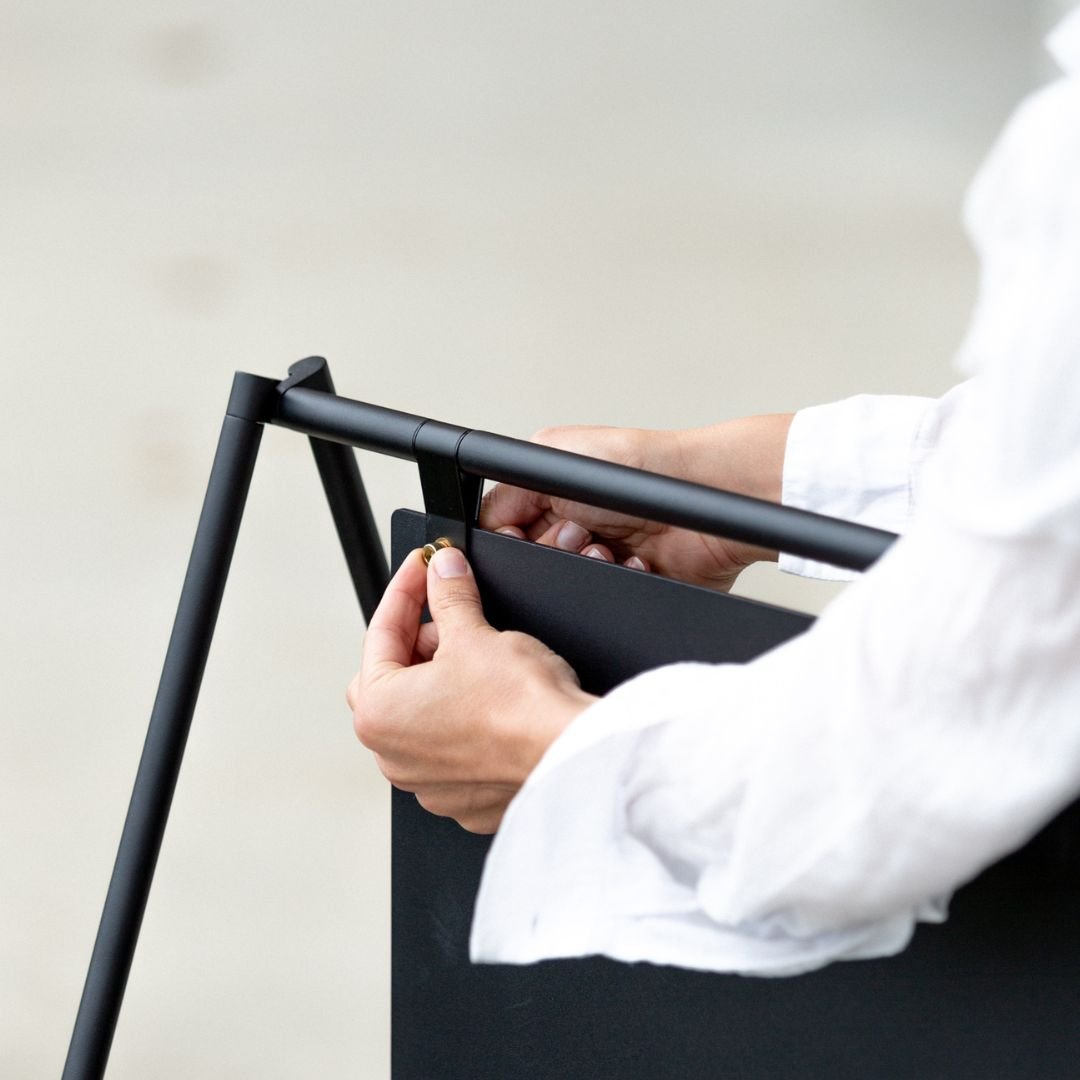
[(501, 215)]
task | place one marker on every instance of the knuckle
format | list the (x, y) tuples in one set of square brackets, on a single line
[(454, 597), (520, 644), (479, 824), (362, 727), (399, 636), (576, 437), (393, 772), (368, 723), (432, 803), (550, 436), (352, 693)]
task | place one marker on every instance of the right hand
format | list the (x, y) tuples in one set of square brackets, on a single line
[(636, 542)]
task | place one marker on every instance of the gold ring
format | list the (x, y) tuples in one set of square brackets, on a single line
[(429, 550)]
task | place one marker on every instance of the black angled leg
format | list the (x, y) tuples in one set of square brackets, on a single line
[(340, 475), (166, 737)]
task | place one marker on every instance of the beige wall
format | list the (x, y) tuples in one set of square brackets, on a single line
[(502, 215)]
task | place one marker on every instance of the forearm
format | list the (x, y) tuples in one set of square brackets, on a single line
[(854, 460), (744, 455)]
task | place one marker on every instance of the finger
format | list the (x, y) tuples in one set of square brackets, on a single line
[(541, 525), (511, 530), (427, 641), (392, 632), (635, 562), (566, 536), (452, 595), (509, 505), (598, 551)]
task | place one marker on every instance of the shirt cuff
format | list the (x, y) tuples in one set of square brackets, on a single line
[(853, 460)]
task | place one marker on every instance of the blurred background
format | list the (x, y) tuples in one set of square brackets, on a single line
[(501, 215)]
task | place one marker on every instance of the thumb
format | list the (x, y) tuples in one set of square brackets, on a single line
[(452, 596)]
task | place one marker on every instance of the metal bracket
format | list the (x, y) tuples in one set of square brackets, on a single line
[(451, 497)]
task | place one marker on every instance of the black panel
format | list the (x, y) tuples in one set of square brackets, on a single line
[(993, 993)]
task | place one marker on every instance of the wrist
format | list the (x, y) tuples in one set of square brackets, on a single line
[(745, 456), (554, 710)]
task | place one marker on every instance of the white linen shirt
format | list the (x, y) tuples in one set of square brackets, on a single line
[(815, 804), (863, 459)]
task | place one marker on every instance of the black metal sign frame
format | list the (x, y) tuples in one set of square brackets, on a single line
[(453, 462)]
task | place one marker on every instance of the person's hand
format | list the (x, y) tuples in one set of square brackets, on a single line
[(456, 711), (744, 456)]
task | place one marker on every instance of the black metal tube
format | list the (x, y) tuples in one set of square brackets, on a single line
[(355, 523), (163, 750), (599, 483), (349, 505), (342, 420), (676, 502)]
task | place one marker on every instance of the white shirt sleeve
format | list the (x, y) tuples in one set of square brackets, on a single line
[(815, 804), (862, 459)]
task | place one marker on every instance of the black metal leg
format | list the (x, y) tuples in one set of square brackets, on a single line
[(166, 737), (340, 475), (355, 522)]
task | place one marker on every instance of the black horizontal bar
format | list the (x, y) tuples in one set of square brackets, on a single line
[(355, 423), (588, 480), (675, 502)]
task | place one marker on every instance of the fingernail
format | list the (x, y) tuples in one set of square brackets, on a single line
[(634, 563), (595, 553), (510, 530), (571, 537), (449, 562)]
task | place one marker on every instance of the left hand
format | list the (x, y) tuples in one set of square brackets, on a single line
[(456, 711)]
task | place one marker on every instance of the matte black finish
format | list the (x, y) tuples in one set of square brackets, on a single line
[(599, 483), (346, 495), (355, 423), (677, 502), (451, 498), (609, 622), (252, 397), (993, 993), (166, 737)]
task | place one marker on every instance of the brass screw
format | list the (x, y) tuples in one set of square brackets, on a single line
[(429, 549)]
